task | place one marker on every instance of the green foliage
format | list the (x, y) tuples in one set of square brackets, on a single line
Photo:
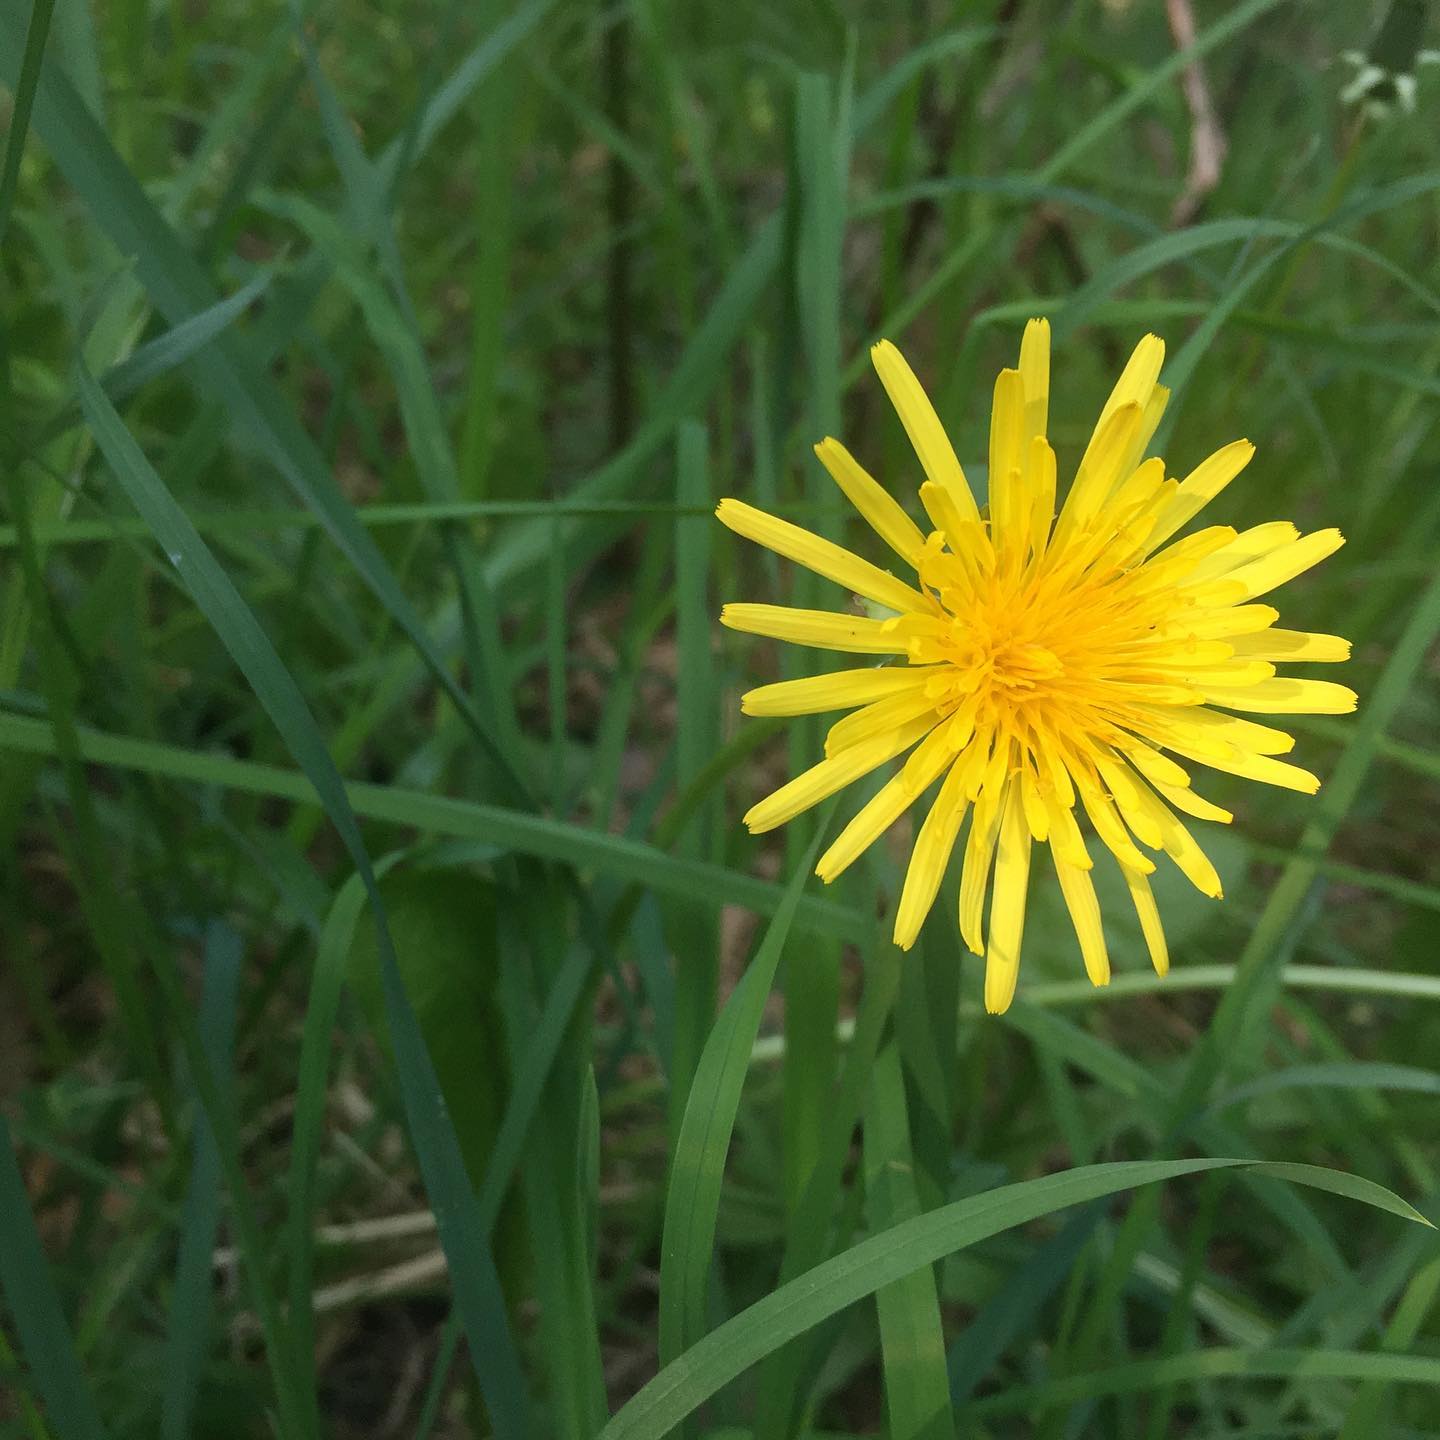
[(384, 965)]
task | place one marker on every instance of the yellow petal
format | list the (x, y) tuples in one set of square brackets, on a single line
[(1035, 376), (1040, 484), (1292, 645), (831, 774), (1010, 519), (1109, 827), (1199, 488), (1156, 824), (1232, 675), (1230, 730), (930, 856), (967, 538), (1150, 417), (1007, 428), (1065, 839), (839, 690), (878, 719), (1181, 847), (1140, 488), (1100, 469), (1254, 767), (1149, 914), (1037, 815), (1226, 620), (1285, 696), (1137, 379), (1187, 651), (822, 556), (1129, 796), (821, 628), (1154, 766), (1180, 560), (1249, 545), (1079, 891), (979, 851), (1007, 906), (1261, 576), (869, 823), (887, 805), (873, 501), (1182, 797), (922, 425)]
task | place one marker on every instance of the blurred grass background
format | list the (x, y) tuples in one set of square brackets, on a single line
[(368, 377)]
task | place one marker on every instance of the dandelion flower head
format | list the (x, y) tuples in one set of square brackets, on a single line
[(1053, 668)]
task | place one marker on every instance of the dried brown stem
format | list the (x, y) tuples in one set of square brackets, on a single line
[(1207, 139)]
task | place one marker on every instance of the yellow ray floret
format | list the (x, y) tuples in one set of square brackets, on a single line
[(1051, 666)]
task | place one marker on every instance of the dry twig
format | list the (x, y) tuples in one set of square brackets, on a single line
[(1207, 139)]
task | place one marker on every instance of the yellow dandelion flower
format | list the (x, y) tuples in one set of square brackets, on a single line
[(1045, 664)]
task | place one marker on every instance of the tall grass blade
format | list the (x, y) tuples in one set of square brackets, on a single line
[(35, 1309), (472, 1268)]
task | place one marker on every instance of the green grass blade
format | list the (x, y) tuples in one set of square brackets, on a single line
[(188, 1330), (1363, 1418), (327, 980), (697, 739), (863, 1269), (812, 1230), (36, 34), (532, 932), (697, 1169), (446, 102), (322, 1006), (1150, 83), (884, 91), (694, 375), (226, 371), (35, 1309), (617, 855), (1014, 1307), (112, 917), (1340, 1075), (1213, 1364), (181, 341), (398, 346), (912, 1340), (158, 357), (472, 1268)]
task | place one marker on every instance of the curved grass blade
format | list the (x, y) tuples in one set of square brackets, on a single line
[(804, 1302), (322, 1005), (445, 103), (1168, 249), (698, 1168), (1149, 84), (36, 34), (912, 1339), (164, 353), (1014, 187), (649, 866), (472, 1268), (1220, 1363), (1340, 1075)]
